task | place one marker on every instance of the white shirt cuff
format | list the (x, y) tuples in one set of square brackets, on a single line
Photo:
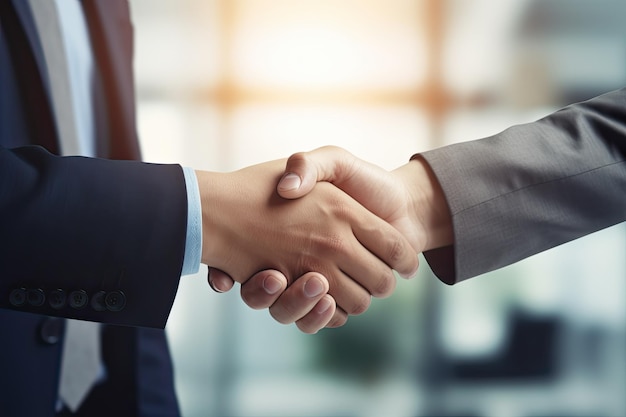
[(193, 247)]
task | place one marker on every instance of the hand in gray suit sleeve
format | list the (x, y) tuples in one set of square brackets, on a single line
[(532, 187), (478, 206)]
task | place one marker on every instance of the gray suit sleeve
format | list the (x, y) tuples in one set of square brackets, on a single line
[(532, 187)]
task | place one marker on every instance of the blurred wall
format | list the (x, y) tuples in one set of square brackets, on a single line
[(227, 83)]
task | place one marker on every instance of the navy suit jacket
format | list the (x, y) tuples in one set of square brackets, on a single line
[(94, 239)]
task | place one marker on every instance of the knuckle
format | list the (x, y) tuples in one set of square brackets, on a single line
[(331, 148), (337, 321), (281, 315), (397, 250), (253, 297), (385, 285), (297, 159), (328, 244), (341, 208), (305, 327), (361, 305), (336, 244), (252, 301)]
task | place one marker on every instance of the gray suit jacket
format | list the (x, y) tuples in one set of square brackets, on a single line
[(532, 187)]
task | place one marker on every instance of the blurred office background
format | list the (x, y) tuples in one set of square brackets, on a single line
[(223, 84)]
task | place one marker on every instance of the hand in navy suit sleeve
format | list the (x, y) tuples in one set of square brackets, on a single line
[(105, 240), (89, 238)]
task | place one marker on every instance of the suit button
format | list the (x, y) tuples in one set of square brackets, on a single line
[(36, 297), (17, 297), (97, 301), (115, 301), (78, 299), (50, 330), (57, 299)]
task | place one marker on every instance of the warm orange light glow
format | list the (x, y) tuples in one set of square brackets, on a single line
[(309, 45)]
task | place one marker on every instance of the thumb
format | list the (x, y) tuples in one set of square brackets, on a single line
[(304, 169)]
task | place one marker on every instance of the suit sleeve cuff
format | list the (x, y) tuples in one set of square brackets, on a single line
[(193, 246)]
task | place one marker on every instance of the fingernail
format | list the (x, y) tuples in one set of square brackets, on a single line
[(289, 181), (216, 288), (271, 284), (212, 284), (313, 287)]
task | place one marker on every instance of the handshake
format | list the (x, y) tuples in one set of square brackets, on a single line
[(313, 238)]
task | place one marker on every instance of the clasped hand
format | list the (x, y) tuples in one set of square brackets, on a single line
[(317, 259)]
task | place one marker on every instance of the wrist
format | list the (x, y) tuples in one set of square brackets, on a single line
[(428, 204), (209, 185)]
